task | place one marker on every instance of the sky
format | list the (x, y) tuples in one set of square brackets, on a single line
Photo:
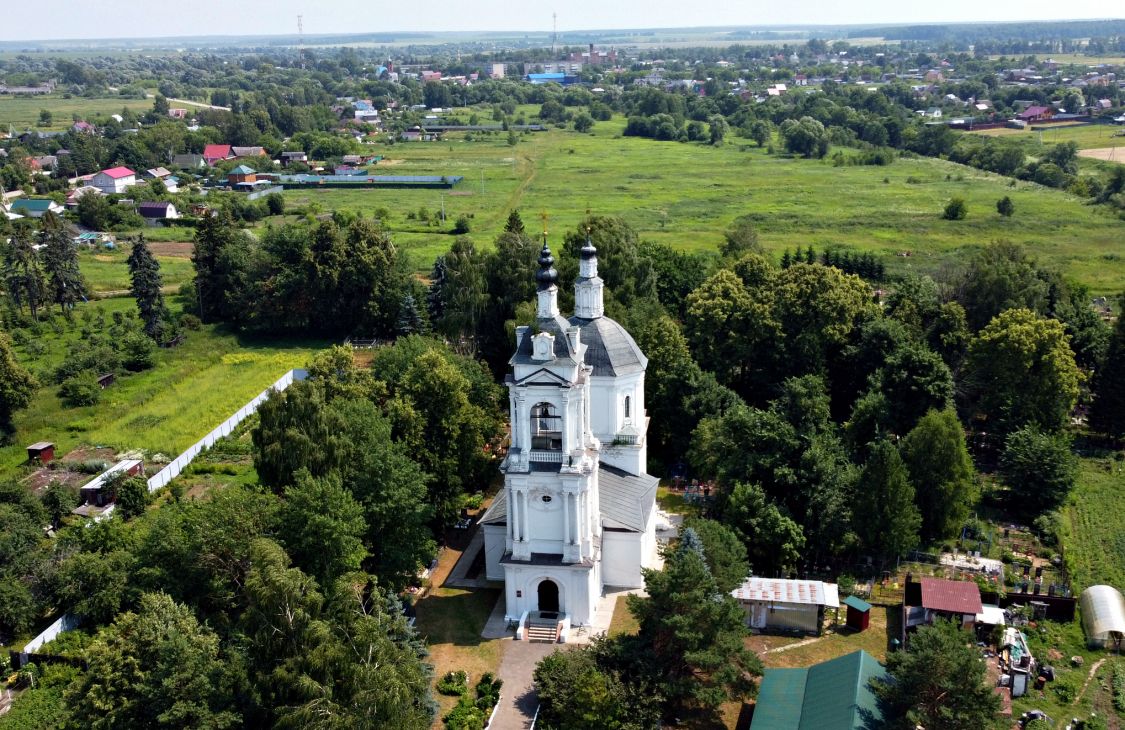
[(69, 19)]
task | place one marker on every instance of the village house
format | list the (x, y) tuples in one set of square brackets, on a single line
[(188, 162), (114, 180), (155, 212), (75, 195), (84, 128), (213, 153), (833, 695), (241, 174), (94, 496), (35, 207), (254, 151), (1036, 114), (930, 599), (777, 604), (177, 113), (297, 156)]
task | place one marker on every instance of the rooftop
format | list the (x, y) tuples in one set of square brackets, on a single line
[(118, 172), (951, 596), (832, 695), (781, 590)]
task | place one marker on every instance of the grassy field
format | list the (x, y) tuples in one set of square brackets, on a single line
[(1092, 534), (686, 195), (163, 410), (1087, 136), (108, 271), (23, 111)]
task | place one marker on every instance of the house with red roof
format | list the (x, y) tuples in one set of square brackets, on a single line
[(114, 180), (931, 599), (213, 153), (1036, 114)]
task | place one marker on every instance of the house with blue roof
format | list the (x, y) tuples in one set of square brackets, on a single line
[(35, 207)]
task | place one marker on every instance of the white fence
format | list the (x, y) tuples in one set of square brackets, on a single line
[(226, 428), (69, 621), (66, 622)]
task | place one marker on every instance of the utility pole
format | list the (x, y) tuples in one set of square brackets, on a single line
[(301, 41), (554, 34)]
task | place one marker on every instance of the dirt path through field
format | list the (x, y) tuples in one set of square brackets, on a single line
[(1093, 670)]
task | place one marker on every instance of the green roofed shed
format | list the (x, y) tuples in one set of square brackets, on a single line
[(833, 695), (859, 613), (242, 170)]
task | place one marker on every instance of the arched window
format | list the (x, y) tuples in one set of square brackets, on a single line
[(546, 428), (627, 412)]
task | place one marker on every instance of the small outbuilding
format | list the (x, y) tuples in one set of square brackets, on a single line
[(1103, 616), (41, 451), (859, 613), (833, 695), (786, 605)]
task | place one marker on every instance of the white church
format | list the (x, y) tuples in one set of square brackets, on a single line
[(578, 510)]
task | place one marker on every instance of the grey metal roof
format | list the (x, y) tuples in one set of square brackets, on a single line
[(625, 498), (557, 326), (610, 349), (497, 512)]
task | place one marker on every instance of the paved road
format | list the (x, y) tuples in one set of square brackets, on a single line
[(518, 700)]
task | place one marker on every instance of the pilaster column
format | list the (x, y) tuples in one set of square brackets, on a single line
[(566, 518)]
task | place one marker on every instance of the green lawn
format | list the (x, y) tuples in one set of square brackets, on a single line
[(192, 389), (22, 112), (1087, 136), (686, 195)]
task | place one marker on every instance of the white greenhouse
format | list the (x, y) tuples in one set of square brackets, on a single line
[(1103, 616)]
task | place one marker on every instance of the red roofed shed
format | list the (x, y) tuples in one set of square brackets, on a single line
[(944, 599), (213, 153)]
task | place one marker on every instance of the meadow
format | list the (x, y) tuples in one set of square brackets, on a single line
[(22, 112), (108, 271), (686, 195), (1086, 136), (193, 388)]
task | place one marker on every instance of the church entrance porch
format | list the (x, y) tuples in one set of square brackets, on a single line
[(548, 596)]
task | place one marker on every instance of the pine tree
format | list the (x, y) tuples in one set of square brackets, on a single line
[(410, 320), (435, 299), (810, 255), (786, 259), (1108, 412), (144, 271), (886, 519), (515, 223), (23, 274), (693, 633), (65, 283)]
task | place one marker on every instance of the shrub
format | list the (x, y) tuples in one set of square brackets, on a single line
[(80, 390), (190, 322), (955, 210), (462, 225), (138, 352), (1005, 207), (453, 683)]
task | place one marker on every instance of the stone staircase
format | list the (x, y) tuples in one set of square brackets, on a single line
[(542, 629)]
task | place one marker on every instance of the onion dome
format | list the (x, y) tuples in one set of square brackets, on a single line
[(546, 276)]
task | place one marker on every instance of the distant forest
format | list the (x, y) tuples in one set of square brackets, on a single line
[(976, 32)]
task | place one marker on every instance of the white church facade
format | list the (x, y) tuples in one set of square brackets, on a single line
[(578, 508)]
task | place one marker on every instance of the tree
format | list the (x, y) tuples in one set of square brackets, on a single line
[(80, 390), (322, 527), (938, 682), (1005, 207), (410, 321), (1022, 371), (1108, 411), (583, 122), (45, 118), (693, 633), (275, 203), (1039, 468), (913, 381), (576, 693), (59, 500), (887, 521), (132, 497), (818, 307), (144, 272), (155, 668), (761, 131), (219, 257), (740, 239), (942, 473), (94, 585), (806, 137), (724, 551), (514, 224), (718, 128), (955, 210), (23, 274), (1001, 276), (65, 282), (17, 386), (773, 540)]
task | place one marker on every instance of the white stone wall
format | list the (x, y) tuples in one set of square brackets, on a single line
[(622, 557), (493, 551), (579, 590)]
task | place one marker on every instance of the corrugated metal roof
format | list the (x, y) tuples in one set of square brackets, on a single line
[(610, 349), (624, 498), (782, 590), (951, 596), (832, 695)]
